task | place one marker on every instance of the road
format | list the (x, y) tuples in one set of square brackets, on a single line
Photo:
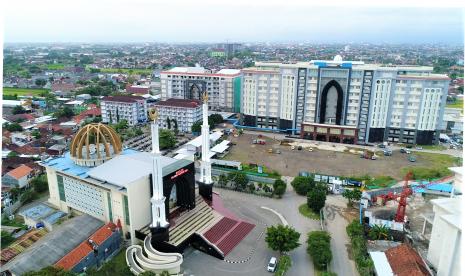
[(280, 136)]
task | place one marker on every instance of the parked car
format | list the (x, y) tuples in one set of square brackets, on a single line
[(272, 264), (381, 146), (402, 150), (387, 152), (412, 158), (419, 148), (409, 146)]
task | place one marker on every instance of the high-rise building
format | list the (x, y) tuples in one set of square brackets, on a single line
[(345, 101), (178, 113), (223, 87), (133, 109)]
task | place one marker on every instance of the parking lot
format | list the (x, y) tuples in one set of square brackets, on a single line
[(291, 162)]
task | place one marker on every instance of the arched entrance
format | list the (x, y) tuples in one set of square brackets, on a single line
[(331, 104), (195, 91)]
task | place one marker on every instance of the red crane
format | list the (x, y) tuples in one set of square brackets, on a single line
[(400, 214)]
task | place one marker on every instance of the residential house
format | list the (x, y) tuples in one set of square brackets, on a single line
[(19, 177)]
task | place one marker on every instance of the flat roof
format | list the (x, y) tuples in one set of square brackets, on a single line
[(122, 170), (226, 162), (197, 141), (382, 266), (221, 147)]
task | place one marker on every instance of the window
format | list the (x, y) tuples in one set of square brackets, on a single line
[(126, 210), (61, 188)]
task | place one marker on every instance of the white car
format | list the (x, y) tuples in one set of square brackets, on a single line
[(272, 264)]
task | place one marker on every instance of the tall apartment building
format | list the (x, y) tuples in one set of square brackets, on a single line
[(182, 112), (223, 87), (130, 108), (345, 101)]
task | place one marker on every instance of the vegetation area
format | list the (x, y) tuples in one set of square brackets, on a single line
[(439, 168), (253, 168), (238, 181), (7, 238), (359, 250), (116, 266), (129, 71), (456, 104), (319, 249), (307, 212), (303, 184), (213, 120), (24, 91), (284, 263), (434, 147), (12, 127), (50, 271), (282, 238), (379, 233), (279, 188), (352, 195), (316, 197)]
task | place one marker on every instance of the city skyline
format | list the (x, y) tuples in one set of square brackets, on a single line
[(142, 21)]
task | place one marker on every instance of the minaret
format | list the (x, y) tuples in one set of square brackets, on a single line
[(159, 225), (205, 182)]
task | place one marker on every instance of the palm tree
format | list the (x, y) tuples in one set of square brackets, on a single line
[(168, 122), (379, 232), (175, 123)]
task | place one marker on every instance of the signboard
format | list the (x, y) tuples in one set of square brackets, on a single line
[(179, 173)]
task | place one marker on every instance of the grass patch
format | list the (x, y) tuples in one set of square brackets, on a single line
[(434, 147), (438, 169), (284, 263), (456, 104), (307, 212), (16, 222), (323, 273), (55, 66), (129, 71), (23, 91), (380, 182)]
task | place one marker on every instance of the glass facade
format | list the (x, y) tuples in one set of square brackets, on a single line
[(110, 213), (126, 210), (61, 188)]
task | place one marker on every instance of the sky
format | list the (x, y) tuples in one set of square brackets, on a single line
[(96, 21)]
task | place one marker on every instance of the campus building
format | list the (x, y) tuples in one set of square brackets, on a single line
[(345, 101), (223, 87), (181, 113), (133, 109)]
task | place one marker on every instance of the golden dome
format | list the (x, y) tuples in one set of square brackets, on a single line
[(95, 144)]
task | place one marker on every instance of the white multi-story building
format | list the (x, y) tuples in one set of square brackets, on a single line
[(130, 108), (345, 101), (223, 87), (181, 113)]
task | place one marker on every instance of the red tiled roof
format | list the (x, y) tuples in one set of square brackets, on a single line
[(125, 99), (77, 254), (90, 112), (136, 89), (24, 116), (405, 261), (64, 87), (20, 172), (180, 103)]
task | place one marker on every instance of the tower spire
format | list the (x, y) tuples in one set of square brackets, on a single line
[(205, 183)]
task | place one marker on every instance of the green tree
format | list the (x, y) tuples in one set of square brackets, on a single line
[(222, 180), (28, 196), (282, 238), (354, 229), (148, 273), (36, 134), (352, 195), (65, 112), (12, 127), (303, 184), (379, 233), (215, 119), (7, 238), (316, 198), (197, 126), (279, 187), (121, 125), (15, 192), (12, 154), (19, 109), (318, 247), (40, 183), (239, 180), (40, 82), (167, 139), (50, 271)]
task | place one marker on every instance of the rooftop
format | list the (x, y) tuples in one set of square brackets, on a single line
[(123, 99), (20, 172), (81, 251), (202, 71), (180, 103), (405, 261)]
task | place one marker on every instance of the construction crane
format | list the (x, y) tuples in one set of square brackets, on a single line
[(406, 191)]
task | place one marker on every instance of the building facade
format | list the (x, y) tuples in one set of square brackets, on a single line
[(181, 113), (345, 101), (223, 87), (133, 109)]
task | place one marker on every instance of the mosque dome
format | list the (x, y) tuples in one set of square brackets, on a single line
[(338, 58), (94, 144)]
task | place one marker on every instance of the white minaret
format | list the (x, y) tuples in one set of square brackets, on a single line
[(157, 200), (205, 165)]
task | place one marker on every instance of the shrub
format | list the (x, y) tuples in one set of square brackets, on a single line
[(316, 198), (359, 248), (318, 246), (282, 238), (28, 196), (40, 184), (284, 264), (279, 187), (303, 184)]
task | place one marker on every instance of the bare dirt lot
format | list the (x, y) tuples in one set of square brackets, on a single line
[(290, 162)]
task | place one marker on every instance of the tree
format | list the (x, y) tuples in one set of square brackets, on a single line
[(36, 134), (40, 82), (222, 180), (12, 154), (251, 187), (15, 192), (282, 238), (352, 195), (168, 122), (197, 126), (279, 187), (379, 232), (175, 126), (215, 118), (7, 238), (18, 110), (318, 247), (13, 127), (50, 271), (354, 229), (40, 184), (121, 125), (65, 112), (316, 198), (239, 180), (148, 273), (28, 196), (303, 184), (167, 139)]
